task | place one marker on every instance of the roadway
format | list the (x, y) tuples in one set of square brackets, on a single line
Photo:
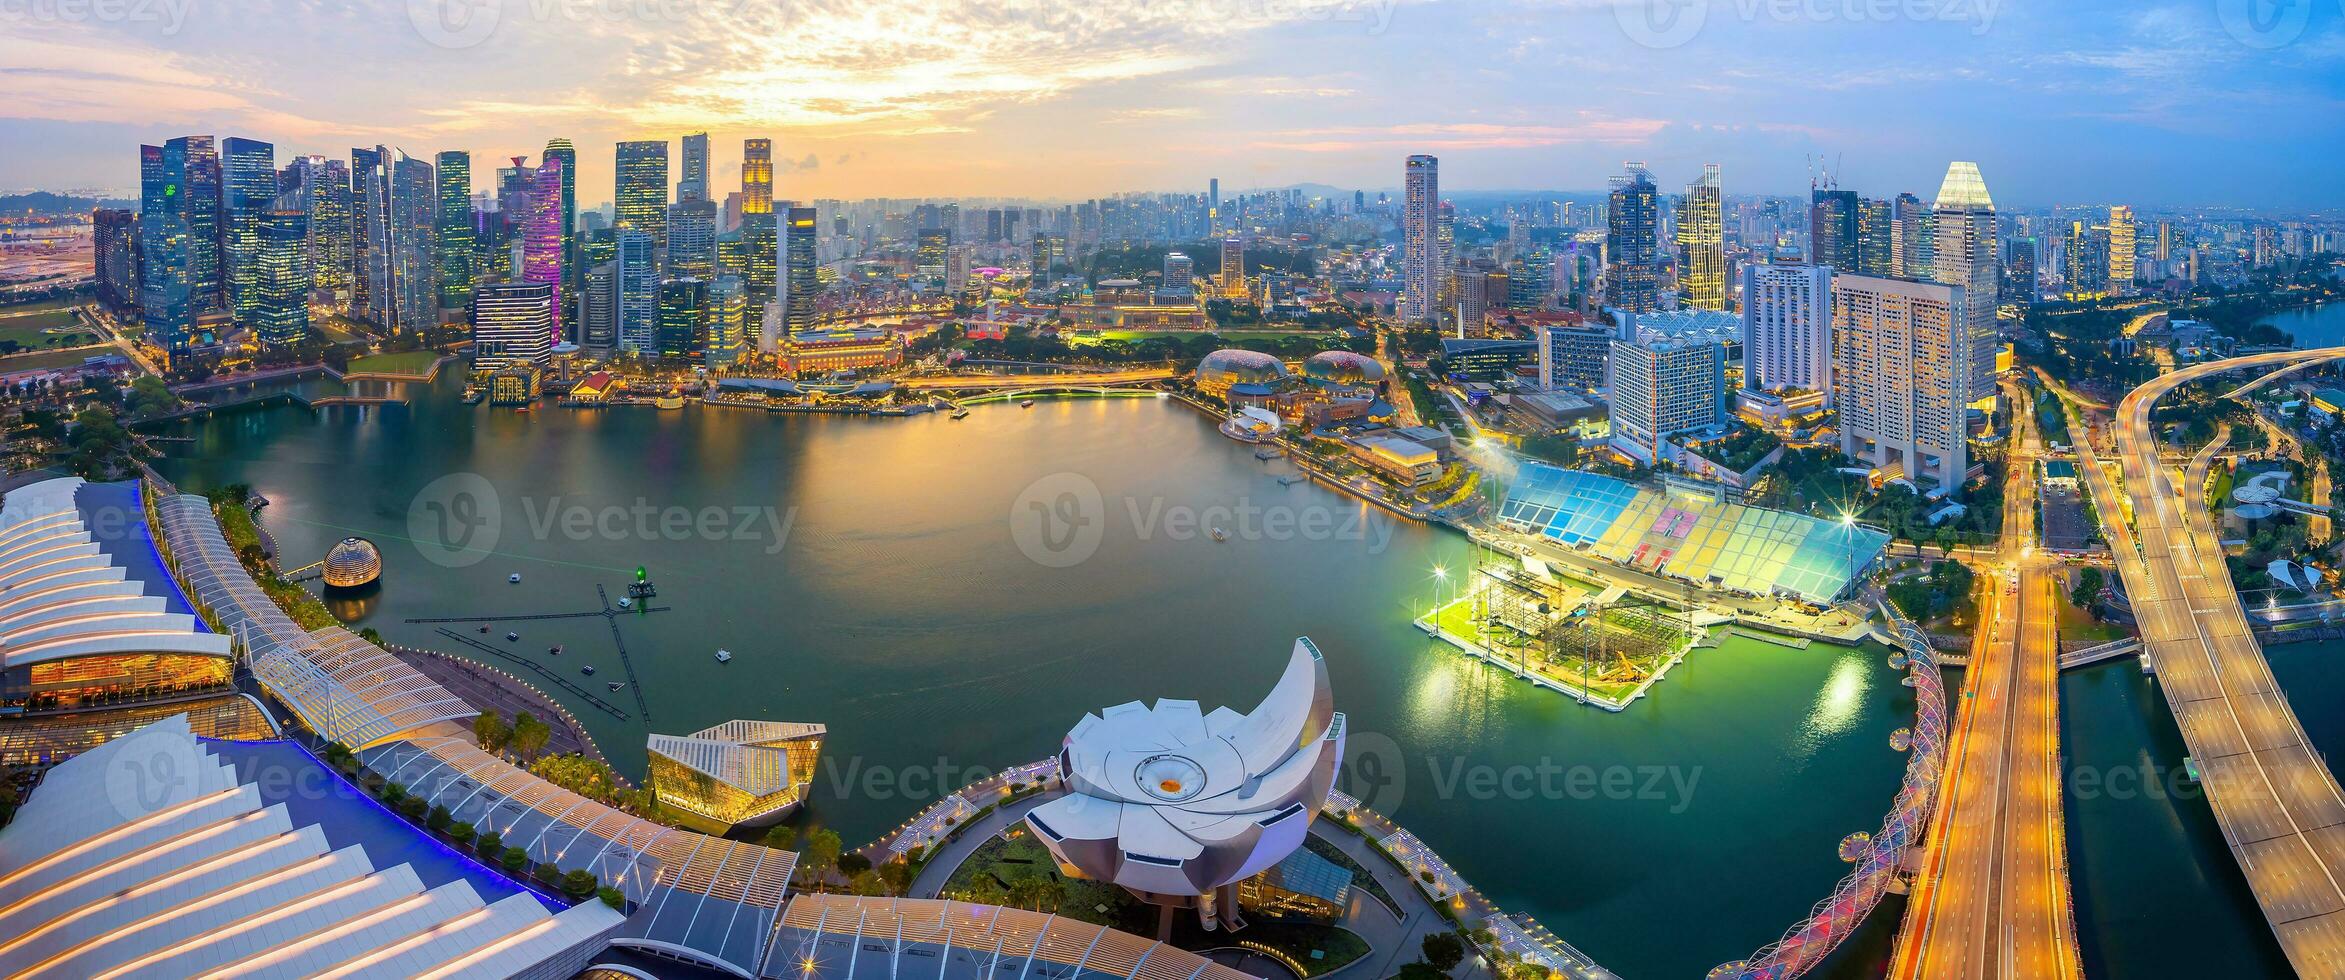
[(1993, 899), (2279, 806), (978, 382)]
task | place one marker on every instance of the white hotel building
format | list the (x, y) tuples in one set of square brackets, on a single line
[(1901, 378)]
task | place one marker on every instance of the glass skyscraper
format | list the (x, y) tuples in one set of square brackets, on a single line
[(248, 186), (452, 228), (541, 242), (1632, 277), (640, 189), (199, 205)]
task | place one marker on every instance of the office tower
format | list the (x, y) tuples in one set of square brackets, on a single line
[(248, 189), (692, 239), (2165, 242), (199, 196), (1213, 204), (1899, 376), (692, 175), (636, 280), (541, 239), (1832, 229), (365, 167), (2019, 272), (757, 215), (453, 228), (1444, 251), (1038, 259), (1662, 386), (1472, 299), (1701, 244), (797, 286), (959, 260), (930, 253), (166, 260), (641, 190), (280, 291), (1876, 237), (598, 318), (683, 319), (1632, 276), (114, 250), (2086, 260), (1420, 258), (1912, 239), (2121, 249), (559, 149), (1233, 268), (1787, 328), (327, 183), (1965, 256), (1180, 273), (728, 317), (398, 200), (513, 323)]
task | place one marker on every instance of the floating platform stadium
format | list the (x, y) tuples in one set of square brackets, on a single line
[(1695, 538)]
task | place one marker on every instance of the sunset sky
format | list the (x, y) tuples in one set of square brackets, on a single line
[(2060, 101)]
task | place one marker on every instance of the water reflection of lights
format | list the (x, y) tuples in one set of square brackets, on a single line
[(1842, 697)]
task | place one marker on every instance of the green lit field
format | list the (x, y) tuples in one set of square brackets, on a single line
[(404, 362), (47, 328), (1599, 679), (49, 359)]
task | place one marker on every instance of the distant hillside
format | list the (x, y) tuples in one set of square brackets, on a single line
[(44, 202)]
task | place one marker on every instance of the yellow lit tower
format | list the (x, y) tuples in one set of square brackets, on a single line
[(2121, 249), (1701, 244)]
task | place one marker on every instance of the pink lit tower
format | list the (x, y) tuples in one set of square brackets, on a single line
[(541, 239)]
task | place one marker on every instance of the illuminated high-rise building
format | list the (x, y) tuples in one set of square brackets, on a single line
[(798, 286), (2121, 241), (1787, 328), (280, 290), (364, 166), (683, 319), (114, 256), (398, 201), (1876, 237), (452, 227), (1420, 250), (328, 185), (1701, 244), (199, 205), (1632, 271), (1899, 375), (561, 150), (692, 175), (757, 176), (640, 191), (1233, 268), (166, 253), (757, 217), (541, 243), (1913, 239), (248, 190), (598, 305), (728, 316), (512, 324), (692, 239), (1967, 256), (1832, 229), (635, 280)]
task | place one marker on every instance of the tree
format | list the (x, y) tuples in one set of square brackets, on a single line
[(853, 864), (514, 860), (461, 832), (781, 838), (1443, 950), (578, 774), (1419, 971), (2088, 588), (489, 846), (866, 883), (897, 875), (612, 897), (579, 883), (821, 853), (490, 730), (529, 735), (439, 818)]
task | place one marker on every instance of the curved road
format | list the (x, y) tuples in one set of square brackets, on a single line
[(2279, 806)]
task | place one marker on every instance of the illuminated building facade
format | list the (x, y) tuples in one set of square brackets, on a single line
[(1632, 272), (1701, 244), (640, 195), (1967, 255), (248, 191), (453, 227), (1420, 255), (823, 351), (738, 774), (1898, 377), (541, 244)]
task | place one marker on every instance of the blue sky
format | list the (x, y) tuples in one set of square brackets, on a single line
[(2196, 102)]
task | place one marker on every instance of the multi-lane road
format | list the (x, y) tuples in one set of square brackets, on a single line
[(2279, 806), (1992, 899)]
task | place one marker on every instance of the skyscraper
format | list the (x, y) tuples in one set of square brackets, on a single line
[(1966, 256), (166, 254), (248, 189), (1233, 268), (366, 174), (1701, 244), (757, 216), (692, 239), (560, 149), (114, 252), (199, 205), (692, 177), (640, 191), (1632, 276), (796, 248), (1662, 386), (2121, 242), (683, 319), (541, 243), (1832, 229), (1787, 328), (397, 204), (1899, 380), (512, 323), (728, 313), (598, 303), (1420, 256), (328, 185), (452, 227), (637, 284), (1876, 237), (1913, 239), (280, 290)]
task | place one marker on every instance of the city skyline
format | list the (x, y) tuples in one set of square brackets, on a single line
[(2082, 104)]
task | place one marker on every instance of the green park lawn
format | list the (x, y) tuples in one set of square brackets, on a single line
[(404, 362), (49, 359), (48, 328)]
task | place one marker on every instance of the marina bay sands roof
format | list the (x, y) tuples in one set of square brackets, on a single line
[(1172, 801), (849, 937), (80, 578), (158, 854), (1691, 536)]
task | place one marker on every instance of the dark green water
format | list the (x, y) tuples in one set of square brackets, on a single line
[(901, 612)]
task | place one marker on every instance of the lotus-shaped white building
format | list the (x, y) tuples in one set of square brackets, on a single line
[(1174, 804)]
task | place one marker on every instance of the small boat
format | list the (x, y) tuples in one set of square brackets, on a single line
[(484, 628), (1028, 403), (588, 670), (512, 637), (962, 414), (625, 602), (554, 651), (514, 578), (615, 686), (724, 656), (1220, 535)]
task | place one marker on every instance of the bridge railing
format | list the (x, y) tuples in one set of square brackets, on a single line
[(1837, 916)]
